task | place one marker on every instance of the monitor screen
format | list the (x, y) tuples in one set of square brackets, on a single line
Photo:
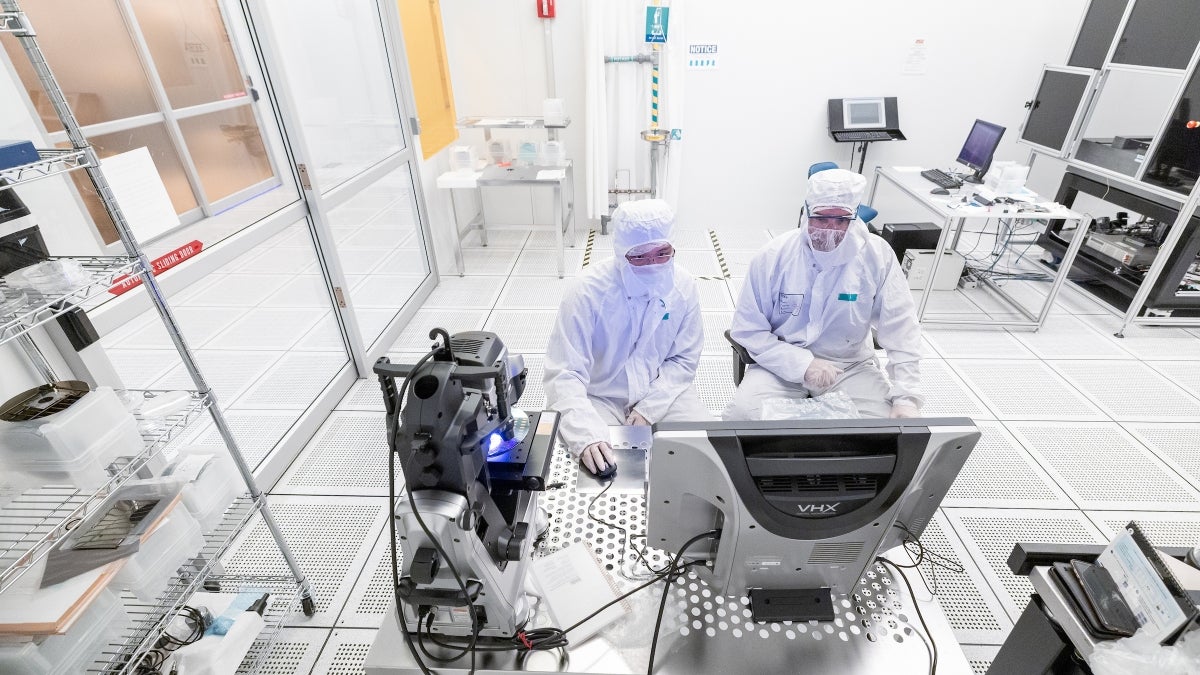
[(1054, 108), (862, 113), (980, 145)]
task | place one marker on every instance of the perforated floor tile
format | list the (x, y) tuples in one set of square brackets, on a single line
[(409, 261), (946, 395), (715, 325), (198, 325), (959, 344), (738, 259), (735, 287), (980, 657), (714, 381), (229, 373), (365, 395), (1078, 301), (415, 336), (1174, 443), (500, 239), (385, 291), (325, 336), (268, 328), (1129, 391), (294, 382), (138, 368), (544, 239), (280, 260), (347, 456), (331, 538), (384, 238), (691, 240), (970, 606), (345, 652), (466, 292), (734, 236), (1068, 337), (534, 396), (541, 262), (256, 432), (523, 330), (1162, 529), (236, 290), (699, 263), (294, 652), (1025, 390), (490, 260), (1151, 342), (1183, 373), (372, 594), (533, 292), (302, 290), (1000, 473), (947, 302), (714, 295), (989, 535), (1103, 467)]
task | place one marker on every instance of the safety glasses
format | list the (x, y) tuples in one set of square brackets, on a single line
[(831, 219), (650, 254)]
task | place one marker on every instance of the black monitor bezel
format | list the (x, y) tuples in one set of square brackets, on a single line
[(981, 170)]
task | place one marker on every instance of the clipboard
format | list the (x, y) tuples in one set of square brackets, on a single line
[(1148, 586)]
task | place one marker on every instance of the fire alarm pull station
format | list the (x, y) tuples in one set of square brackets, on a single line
[(545, 9)]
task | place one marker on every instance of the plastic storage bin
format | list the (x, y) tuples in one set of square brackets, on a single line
[(74, 446), (176, 540), (211, 483), (100, 625)]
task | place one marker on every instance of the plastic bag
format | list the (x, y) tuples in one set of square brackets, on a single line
[(50, 277), (834, 405), (1142, 655)]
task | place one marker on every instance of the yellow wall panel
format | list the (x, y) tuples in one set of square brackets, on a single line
[(424, 42)]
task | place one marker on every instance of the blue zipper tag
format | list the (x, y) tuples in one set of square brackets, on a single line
[(666, 316), (849, 297)]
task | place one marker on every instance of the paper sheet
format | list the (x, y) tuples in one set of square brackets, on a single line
[(140, 192), (551, 174)]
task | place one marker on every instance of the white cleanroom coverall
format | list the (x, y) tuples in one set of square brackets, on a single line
[(802, 309), (627, 339)]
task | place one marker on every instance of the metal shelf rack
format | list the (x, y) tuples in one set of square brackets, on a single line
[(44, 515), (37, 309)]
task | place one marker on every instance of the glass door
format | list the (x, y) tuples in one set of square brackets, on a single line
[(337, 70)]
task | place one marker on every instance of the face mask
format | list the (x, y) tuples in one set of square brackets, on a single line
[(825, 240), (655, 280)]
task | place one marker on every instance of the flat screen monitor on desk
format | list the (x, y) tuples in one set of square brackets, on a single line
[(803, 507), (979, 147)]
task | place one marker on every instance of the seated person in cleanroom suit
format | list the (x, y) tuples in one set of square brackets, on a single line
[(627, 341), (808, 304)]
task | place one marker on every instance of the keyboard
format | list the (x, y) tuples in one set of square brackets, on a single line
[(941, 178), (843, 136)]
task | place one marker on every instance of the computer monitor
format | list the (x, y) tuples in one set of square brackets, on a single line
[(863, 113), (803, 507), (979, 147)]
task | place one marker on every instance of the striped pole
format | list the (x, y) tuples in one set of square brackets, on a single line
[(654, 86)]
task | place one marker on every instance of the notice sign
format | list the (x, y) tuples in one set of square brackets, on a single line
[(702, 57), (656, 23), (157, 266)]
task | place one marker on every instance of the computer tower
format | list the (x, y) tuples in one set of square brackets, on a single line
[(903, 236)]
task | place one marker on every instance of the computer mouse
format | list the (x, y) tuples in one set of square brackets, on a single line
[(609, 471), (939, 191)]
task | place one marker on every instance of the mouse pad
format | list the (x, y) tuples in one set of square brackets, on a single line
[(630, 479)]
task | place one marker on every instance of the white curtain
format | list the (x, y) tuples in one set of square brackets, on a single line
[(618, 101)]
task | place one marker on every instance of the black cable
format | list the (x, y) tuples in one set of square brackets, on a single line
[(927, 638), (667, 592), (626, 539)]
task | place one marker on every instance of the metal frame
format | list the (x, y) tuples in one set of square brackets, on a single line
[(1113, 43), (1073, 130)]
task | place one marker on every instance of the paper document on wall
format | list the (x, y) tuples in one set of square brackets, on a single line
[(140, 192), (916, 58)]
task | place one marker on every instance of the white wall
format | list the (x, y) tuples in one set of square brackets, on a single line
[(755, 124)]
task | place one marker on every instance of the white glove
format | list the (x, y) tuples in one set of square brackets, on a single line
[(597, 456), (904, 410), (635, 419), (821, 374)]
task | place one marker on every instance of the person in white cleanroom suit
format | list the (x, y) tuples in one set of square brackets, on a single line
[(808, 304), (627, 341)]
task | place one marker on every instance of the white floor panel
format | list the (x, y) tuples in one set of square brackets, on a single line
[(347, 456), (268, 328), (331, 538), (1068, 337), (970, 606), (378, 238), (1174, 443), (1080, 302), (138, 368), (735, 287), (715, 325), (1151, 342), (1183, 373), (294, 652), (947, 302), (198, 325), (325, 336), (1129, 391), (541, 262), (699, 263), (372, 322), (714, 381), (691, 240), (980, 657), (255, 431), (384, 291), (736, 236), (1162, 529), (714, 295), (302, 290), (365, 395), (500, 239), (988, 535), (407, 261), (1001, 474), (280, 260), (415, 336), (345, 652), (533, 292), (1025, 390), (960, 344), (364, 260), (738, 259), (372, 594), (228, 373), (490, 260), (465, 292), (1102, 467), (946, 395), (544, 238), (294, 382), (523, 330), (236, 290), (534, 396)]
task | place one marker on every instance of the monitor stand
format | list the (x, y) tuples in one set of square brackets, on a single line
[(976, 178)]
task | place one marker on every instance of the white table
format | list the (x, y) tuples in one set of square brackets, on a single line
[(953, 215), (559, 178)]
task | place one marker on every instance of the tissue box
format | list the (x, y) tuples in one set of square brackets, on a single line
[(1006, 177), (16, 153)]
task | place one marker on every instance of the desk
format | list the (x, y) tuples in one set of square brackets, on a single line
[(705, 633), (952, 215), (560, 178)]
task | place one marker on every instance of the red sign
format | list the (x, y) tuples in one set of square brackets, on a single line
[(159, 265)]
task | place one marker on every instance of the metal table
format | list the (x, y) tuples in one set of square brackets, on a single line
[(876, 631), (560, 178), (952, 214)]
